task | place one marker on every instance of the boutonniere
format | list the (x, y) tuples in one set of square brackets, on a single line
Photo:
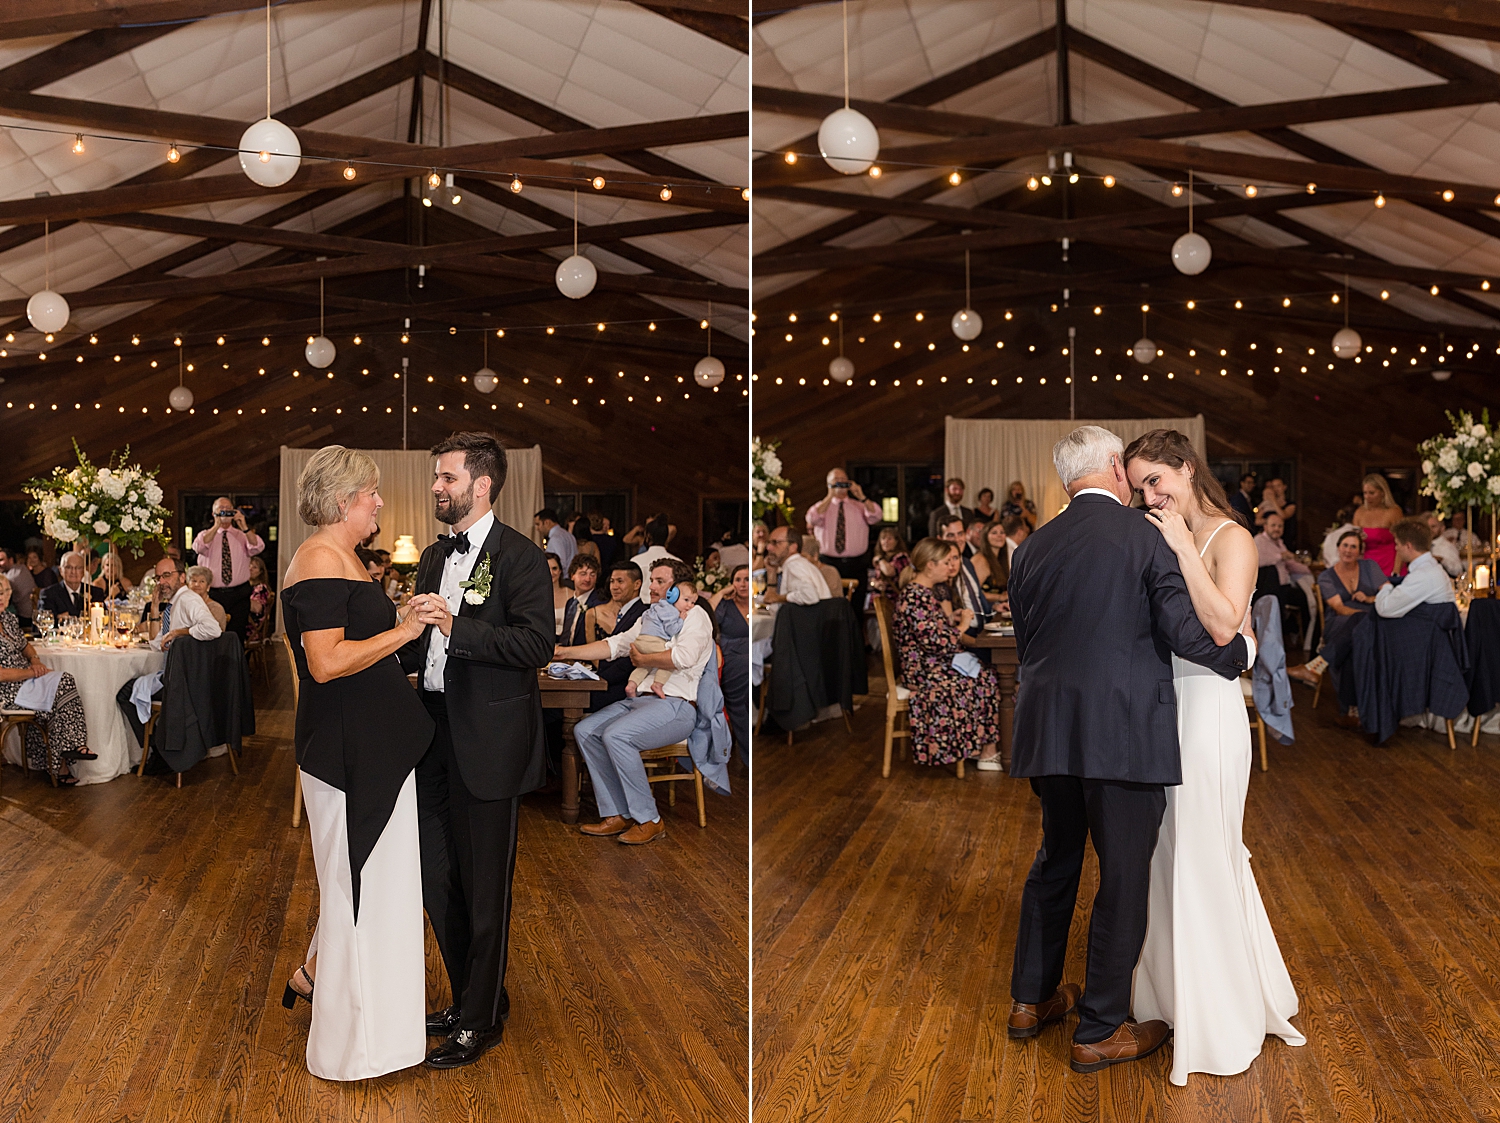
[(477, 587)]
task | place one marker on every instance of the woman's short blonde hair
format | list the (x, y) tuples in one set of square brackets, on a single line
[(200, 572), (332, 478)]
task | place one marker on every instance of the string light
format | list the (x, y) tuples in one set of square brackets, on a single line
[(954, 179), (515, 185), (666, 193), (875, 171), (1380, 200), (790, 157), (173, 155), (1109, 181), (1447, 194), (78, 144), (598, 182), (349, 172)]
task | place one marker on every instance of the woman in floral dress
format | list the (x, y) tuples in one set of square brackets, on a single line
[(67, 735), (952, 715)]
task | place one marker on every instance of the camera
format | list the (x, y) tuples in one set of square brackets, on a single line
[(842, 485)]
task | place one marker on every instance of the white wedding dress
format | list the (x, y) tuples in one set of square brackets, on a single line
[(1210, 967)]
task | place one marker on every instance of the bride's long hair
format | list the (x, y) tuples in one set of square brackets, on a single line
[(1169, 447)]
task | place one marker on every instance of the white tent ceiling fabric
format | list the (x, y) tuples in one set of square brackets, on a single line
[(1247, 56), (604, 62)]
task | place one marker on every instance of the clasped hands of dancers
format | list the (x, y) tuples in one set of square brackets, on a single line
[(1131, 633)]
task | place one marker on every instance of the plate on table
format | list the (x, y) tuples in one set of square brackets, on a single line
[(999, 628)]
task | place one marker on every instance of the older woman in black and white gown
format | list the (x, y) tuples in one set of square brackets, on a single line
[(67, 734)]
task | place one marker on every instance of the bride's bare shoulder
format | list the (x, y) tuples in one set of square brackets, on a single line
[(1232, 542)]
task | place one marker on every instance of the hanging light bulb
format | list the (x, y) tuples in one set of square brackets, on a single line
[(1380, 200), (349, 172), (453, 191), (485, 380), (434, 180), (1346, 341), (954, 179), (78, 144), (1109, 181), (840, 369), (598, 182), (270, 153), (47, 310), (576, 275), (173, 155), (1144, 351), (181, 397), (847, 139), (320, 350), (966, 323), (515, 185), (1191, 253), (666, 193), (709, 371)]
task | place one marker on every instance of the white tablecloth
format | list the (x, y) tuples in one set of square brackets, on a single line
[(100, 672), (762, 626)]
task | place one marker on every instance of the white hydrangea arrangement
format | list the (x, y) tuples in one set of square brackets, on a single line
[(768, 487), (118, 503), (1462, 470)]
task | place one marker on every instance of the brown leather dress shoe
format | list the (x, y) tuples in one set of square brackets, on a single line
[(1027, 1020), (643, 833), (605, 827), (1302, 674), (1131, 1042)]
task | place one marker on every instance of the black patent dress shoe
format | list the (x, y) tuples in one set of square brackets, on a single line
[(443, 1022), (465, 1046)]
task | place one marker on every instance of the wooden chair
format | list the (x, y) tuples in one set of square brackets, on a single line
[(1318, 605), (1257, 722), (669, 756), (256, 649), (850, 584), (291, 661), (896, 695), (20, 719), (146, 752)]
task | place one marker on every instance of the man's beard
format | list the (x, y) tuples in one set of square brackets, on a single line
[(459, 506)]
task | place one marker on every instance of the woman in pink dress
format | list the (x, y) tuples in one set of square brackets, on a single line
[(1375, 516)]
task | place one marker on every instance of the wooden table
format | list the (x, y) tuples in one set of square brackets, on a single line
[(571, 696), (1002, 655)]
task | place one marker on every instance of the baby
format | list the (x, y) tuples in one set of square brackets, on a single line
[(659, 623)]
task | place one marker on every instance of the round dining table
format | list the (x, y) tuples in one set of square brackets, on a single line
[(99, 673)]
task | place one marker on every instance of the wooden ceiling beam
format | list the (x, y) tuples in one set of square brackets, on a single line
[(731, 29), (54, 17), (74, 55), (1470, 19)]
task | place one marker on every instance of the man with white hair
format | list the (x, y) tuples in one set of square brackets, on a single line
[(1100, 606), (841, 523), (66, 597)]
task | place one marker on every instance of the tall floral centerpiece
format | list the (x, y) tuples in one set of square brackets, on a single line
[(1462, 470), (118, 503), (768, 487)]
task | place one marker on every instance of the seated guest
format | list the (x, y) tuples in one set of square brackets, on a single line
[(66, 598), (965, 587), (1348, 587), (951, 712), (561, 594), (660, 624), (1342, 522), (110, 581), (615, 617), (585, 594), (732, 607), (1294, 580), (66, 735), (1458, 535), (14, 570), (1017, 530), (974, 529), (372, 563), (1424, 583), (831, 576), (262, 618), (1016, 503), (984, 505), (992, 562), (1445, 552), (200, 580), (760, 534), (555, 540), (789, 576), (43, 574), (887, 562)]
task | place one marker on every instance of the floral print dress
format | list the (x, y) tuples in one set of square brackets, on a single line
[(951, 714), (65, 725)]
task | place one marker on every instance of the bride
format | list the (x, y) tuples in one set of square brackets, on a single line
[(1210, 967)]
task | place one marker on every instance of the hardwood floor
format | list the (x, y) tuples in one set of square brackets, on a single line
[(885, 918), (146, 934)]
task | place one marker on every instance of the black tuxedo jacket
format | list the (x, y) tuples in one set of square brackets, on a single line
[(1100, 607), (942, 513), (494, 650), (57, 600)]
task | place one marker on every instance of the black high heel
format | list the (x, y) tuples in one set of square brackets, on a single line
[(290, 996)]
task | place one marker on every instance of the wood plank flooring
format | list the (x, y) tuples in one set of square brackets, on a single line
[(146, 934), (885, 916)]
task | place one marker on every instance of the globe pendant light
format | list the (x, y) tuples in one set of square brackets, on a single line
[(847, 138), (841, 369), (485, 380), (320, 352), (1191, 253), (967, 323), (47, 310), (270, 153), (1441, 374), (709, 371), (1346, 341), (181, 397), (576, 275), (1144, 351)]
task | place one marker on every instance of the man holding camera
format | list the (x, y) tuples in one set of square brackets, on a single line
[(226, 548), (841, 523)]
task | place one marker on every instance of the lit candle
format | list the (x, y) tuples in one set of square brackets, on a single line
[(1481, 577), (96, 622)]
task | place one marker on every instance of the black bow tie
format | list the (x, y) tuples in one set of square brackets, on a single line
[(451, 542)]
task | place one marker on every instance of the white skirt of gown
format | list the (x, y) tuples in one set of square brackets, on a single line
[(1210, 967), (369, 998)]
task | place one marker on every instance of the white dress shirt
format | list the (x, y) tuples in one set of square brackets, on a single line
[(189, 611), (1424, 583), (1010, 549), (647, 558), (1096, 491), (802, 582), (456, 567), (690, 650)]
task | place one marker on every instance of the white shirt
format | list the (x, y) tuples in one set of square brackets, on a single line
[(561, 543), (1010, 549), (646, 558), (1424, 583), (690, 650), (1095, 491), (1448, 556), (456, 567), (802, 582), (189, 611), (1463, 539)]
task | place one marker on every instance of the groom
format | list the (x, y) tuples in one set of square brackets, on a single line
[(1100, 606), (485, 594)]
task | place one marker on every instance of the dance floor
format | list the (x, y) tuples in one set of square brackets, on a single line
[(147, 933), (885, 918)]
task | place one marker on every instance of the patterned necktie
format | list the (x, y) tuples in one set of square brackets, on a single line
[(838, 530), (166, 618), (226, 561)]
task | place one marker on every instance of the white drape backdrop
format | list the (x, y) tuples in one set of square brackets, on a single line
[(406, 487), (991, 452)]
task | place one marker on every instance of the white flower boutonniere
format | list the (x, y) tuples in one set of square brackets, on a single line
[(477, 587)]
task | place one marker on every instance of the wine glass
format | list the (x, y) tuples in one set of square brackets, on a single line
[(44, 622)]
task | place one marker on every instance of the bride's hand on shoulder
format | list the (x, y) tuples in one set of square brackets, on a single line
[(1174, 529)]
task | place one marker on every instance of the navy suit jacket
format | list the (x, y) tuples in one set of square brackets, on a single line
[(1100, 606), (572, 629)]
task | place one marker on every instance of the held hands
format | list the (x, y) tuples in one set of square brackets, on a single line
[(407, 620), (1174, 529), (433, 609)]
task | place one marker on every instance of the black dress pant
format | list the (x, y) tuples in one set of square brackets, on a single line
[(468, 863), (235, 601), (859, 570), (1124, 820)]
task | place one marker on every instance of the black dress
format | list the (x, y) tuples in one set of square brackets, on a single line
[(734, 638), (365, 732)]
